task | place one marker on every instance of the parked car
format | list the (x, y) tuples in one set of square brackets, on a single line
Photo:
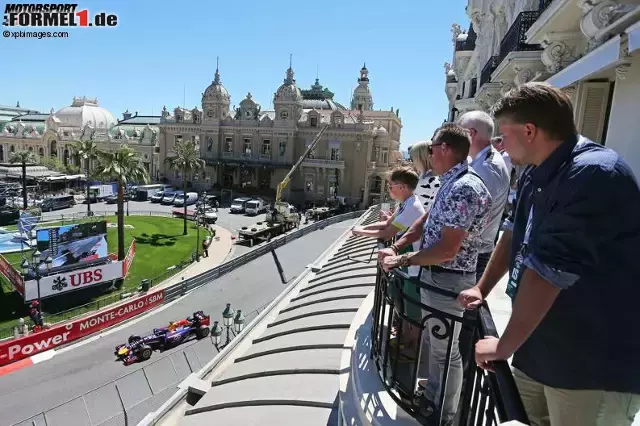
[(189, 198), (255, 206), (57, 203), (170, 197), (158, 196), (238, 205)]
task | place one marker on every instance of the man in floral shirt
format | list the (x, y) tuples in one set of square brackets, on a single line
[(448, 255)]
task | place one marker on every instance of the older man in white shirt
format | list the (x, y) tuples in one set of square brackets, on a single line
[(487, 162)]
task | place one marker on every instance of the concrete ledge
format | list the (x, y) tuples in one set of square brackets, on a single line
[(363, 399), (195, 385)]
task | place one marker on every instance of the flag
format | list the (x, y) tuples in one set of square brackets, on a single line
[(27, 222)]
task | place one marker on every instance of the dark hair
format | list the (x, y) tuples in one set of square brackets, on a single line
[(546, 107), (405, 175), (456, 137)]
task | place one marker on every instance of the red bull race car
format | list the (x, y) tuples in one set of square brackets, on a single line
[(140, 348)]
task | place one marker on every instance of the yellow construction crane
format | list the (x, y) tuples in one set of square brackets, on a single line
[(282, 185)]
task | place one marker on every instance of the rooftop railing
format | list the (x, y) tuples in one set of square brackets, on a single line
[(543, 5), (488, 69), (414, 333), (516, 37)]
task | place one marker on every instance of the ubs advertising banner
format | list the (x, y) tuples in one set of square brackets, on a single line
[(56, 284)]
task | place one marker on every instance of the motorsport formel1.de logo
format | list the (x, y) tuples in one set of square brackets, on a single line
[(54, 15)]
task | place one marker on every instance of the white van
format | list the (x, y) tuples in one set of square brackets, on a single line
[(189, 198), (238, 205), (255, 206)]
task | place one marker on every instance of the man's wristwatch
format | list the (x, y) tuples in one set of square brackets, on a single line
[(403, 261)]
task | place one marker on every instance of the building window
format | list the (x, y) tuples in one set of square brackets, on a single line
[(209, 144), (228, 144), (308, 183), (177, 140), (247, 146), (266, 147), (385, 156), (210, 113), (314, 121), (335, 154), (283, 147)]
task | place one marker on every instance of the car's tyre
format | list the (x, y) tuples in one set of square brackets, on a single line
[(202, 332), (145, 353)]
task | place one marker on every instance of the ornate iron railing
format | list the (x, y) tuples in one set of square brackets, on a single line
[(516, 38), (481, 398), (488, 69), (543, 5)]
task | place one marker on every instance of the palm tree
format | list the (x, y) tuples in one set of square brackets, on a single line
[(23, 158), (187, 160), (124, 166), (87, 151)]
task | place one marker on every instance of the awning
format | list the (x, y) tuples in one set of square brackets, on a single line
[(633, 33), (601, 58)]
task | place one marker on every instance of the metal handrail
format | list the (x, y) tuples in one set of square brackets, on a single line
[(485, 396)]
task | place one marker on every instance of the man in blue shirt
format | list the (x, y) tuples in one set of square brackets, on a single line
[(574, 273)]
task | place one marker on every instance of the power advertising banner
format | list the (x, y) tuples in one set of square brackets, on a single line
[(56, 284), (14, 350)]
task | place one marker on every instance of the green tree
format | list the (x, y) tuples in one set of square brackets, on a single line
[(87, 151), (187, 161), (23, 158), (124, 166)]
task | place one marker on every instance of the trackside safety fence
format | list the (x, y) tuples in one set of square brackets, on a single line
[(127, 400)]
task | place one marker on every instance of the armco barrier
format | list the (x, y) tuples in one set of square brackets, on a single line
[(16, 349)]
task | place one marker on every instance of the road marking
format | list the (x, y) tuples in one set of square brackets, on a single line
[(44, 356)]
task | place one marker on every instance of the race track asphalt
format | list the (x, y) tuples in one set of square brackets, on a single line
[(70, 374)]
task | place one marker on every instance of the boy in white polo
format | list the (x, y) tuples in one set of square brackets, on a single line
[(402, 184)]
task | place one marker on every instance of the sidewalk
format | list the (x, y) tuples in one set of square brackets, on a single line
[(220, 250)]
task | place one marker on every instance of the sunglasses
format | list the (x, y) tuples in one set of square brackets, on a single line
[(434, 144)]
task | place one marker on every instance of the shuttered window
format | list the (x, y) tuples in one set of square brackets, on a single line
[(592, 110)]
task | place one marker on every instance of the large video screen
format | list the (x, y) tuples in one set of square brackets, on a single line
[(69, 245)]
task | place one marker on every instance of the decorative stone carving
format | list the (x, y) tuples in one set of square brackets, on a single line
[(570, 91), (450, 91), (523, 75), (455, 31), (600, 14), (506, 87), (500, 25), (461, 65), (622, 70), (557, 54), (447, 68)]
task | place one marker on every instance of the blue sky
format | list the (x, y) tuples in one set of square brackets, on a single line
[(162, 50)]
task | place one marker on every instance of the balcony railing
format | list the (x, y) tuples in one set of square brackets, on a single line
[(516, 37), (469, 43), (543, 5), (489, 68), (319, 162), (400, 356)]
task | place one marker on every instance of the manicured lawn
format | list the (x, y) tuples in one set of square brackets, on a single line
[(159, 245)]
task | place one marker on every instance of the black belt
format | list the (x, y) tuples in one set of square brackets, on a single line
[(436, 268)]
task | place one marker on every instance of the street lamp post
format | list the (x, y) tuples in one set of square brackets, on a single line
[(34, 267), (196, 218), (227, 320), (230, 319)]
